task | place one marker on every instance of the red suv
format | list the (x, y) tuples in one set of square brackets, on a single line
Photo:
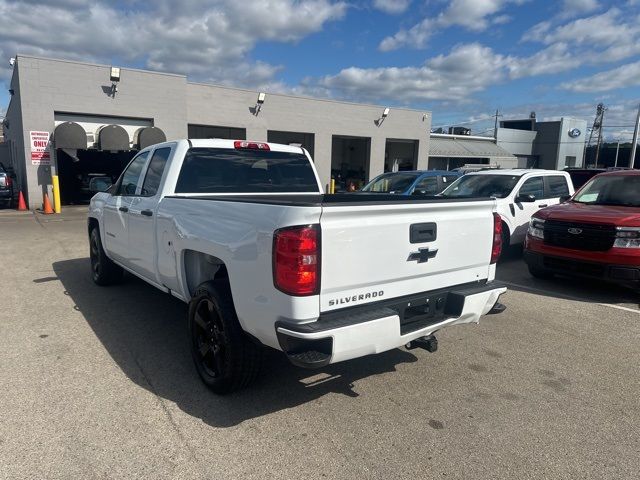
[(595, 234)]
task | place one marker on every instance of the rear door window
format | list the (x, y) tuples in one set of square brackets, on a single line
[(155, 171), (533, 186), (223, 170), (556, 186)]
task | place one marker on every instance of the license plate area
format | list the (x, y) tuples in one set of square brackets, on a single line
[(422, 311)]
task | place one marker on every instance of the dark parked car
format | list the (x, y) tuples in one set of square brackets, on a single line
[(580, 176), (426, 182), (6, 187)]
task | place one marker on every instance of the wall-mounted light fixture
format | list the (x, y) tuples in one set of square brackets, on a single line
[(259, 102), (114, 76), (385, 114), (12, 61)]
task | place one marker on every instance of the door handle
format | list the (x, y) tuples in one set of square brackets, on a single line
[(543, 205), (146, 213), (123, 209)]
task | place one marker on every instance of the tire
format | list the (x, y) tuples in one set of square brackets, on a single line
[(103, 270), (506, 248), (541, 273), (224, 356)]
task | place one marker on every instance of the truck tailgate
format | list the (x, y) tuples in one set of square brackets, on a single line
[(370, 254)]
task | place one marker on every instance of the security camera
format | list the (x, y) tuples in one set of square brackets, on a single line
[(12, 61)]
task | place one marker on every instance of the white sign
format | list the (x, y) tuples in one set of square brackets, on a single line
[(40, 153)]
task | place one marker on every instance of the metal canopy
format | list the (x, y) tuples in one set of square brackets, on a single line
[(70, 135), (114, 138), (146, 136), (466, 148)]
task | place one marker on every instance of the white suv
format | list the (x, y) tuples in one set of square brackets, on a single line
[(519, 193)]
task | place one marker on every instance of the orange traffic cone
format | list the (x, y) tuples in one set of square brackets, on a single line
[(46, 206), (22, 206)]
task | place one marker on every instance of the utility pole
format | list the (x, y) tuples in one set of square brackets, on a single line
[(617, 151), (632, 159), (596, 130), (495, 125)]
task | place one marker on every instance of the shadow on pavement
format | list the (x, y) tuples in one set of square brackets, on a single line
[(513, 270), (145, 332)]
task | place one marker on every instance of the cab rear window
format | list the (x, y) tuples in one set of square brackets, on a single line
[(222, 170), (556, 186)]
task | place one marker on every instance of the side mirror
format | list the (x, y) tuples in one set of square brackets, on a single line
[(419, 192), (524, 198), (565, 198), (99, 184)]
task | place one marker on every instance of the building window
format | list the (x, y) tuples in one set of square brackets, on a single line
[(208, 131), (570, 161), (302, 139)]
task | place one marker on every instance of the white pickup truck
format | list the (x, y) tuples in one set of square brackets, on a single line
[(243, 232)]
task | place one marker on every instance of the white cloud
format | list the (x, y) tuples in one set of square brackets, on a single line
[(608, 37), (209, 40), (474, 15), (456, 77), (467, 69), (393, 7), (501, 19), (416, 37), (553, 59), (609, 28), (575, 8), (621, 77)]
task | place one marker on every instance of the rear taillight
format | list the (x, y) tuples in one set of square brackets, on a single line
[(296, 260), (496, 249), (244, 145), (8, 182)]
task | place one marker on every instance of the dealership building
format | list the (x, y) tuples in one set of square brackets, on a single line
[(551, 145), (96, 117)]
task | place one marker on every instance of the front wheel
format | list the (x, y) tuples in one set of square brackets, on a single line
[(104, 271), (225, 358)]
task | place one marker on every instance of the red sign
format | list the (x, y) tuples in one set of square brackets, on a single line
[(40, 153)]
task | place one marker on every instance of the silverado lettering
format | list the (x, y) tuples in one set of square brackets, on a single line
[(355, 298)]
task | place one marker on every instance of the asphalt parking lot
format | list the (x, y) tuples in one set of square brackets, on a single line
[(98, 383)]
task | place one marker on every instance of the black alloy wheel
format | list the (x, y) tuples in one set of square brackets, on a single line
[(224, 356), (209, 339), (103, 271), (94, 254)]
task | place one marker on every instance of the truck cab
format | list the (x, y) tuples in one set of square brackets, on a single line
[(519, 194)]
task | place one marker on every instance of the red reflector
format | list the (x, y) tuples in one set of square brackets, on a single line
[(496, 249), (243, 144), (296, 260)]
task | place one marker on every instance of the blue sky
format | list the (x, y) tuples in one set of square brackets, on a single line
[(460, 59)]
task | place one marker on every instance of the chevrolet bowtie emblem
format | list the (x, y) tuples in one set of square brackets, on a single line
[(422, 255)]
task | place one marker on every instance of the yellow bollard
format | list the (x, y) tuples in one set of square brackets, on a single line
[(56, 194), (332, 186)]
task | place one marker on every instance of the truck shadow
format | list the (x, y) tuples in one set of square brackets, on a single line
[(144, 331), (513, 271)]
